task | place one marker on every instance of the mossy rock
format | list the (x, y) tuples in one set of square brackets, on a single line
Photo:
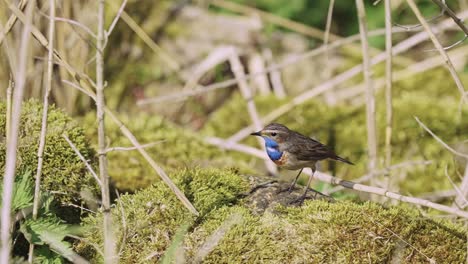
[(323, 232), (175, 148), (63, 173), (343, 128), (229, 231), (153, 215)]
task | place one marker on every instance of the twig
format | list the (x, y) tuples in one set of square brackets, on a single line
[(462, 202), (385, 171), (9, 92), (133, 148), (12, 143), (116, 18), (462, 198), (443, 6), (463, 155), (109, 239), (383, 192), (439, 47), (388, 88), (45, 109), (88, 166), (370, 96)]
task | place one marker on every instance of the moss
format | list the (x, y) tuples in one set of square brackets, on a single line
[(153, 215), (63, 173), (343, 128), (176, 148), (317, 232), (322, 232)]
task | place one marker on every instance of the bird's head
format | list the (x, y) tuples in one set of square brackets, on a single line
[(273, 134)]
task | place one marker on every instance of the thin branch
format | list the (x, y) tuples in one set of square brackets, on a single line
[(366, 177), (439, 47), (116, 18), (464, 189), (388, 87), (109, 239), (462, 202), (370, 96), (463, 155), (133, 148), (42, 138), (9, 93), (443, 6), (12, 143), (383, 192), (82, 158)]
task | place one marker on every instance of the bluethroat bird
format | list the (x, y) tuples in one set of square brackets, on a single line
[(293, 151)]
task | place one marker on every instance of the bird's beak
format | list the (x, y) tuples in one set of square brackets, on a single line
[(256, 134)]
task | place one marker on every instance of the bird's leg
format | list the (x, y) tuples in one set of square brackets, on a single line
[(301, 199), (291, 188)]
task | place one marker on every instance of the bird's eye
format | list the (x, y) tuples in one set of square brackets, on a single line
[(273, 134)]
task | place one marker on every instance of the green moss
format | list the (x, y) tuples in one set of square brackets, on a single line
[(318, 232), (153, 215), (63, 173), (176, 148), (322, 232)]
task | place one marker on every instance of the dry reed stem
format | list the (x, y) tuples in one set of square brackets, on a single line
[(42, 137), (9, 93), (388, 88), (11, 21), (275, 75), (340, 78), (109, 239), (440, 48), (384, 192), (463, 196), (329, 96), (10, 159), (370, 96), (239, 73)]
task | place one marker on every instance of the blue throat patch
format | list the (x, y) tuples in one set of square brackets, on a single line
[(272, 149)]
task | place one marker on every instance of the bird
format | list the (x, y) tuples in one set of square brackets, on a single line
[(291, 150)]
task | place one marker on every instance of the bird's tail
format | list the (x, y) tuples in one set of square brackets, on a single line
[(343, 160)]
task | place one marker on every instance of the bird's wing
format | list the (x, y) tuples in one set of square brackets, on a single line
[(305, 148)]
